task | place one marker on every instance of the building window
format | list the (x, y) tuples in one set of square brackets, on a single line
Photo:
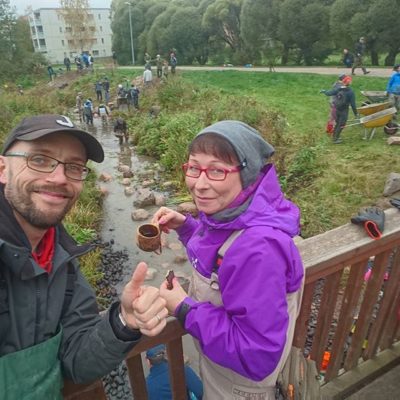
[(102, 40), (92, 29), (33, 30), (62, 43), (60, 29), (70, 42), (99, 16), (42, 42), (101, 29), (68, 29), (35, 43), (39, 29), (37, 15), (95, 52)]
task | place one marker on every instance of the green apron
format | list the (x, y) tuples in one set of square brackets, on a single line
[(33, 373)]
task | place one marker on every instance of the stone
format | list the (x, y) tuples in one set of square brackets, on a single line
[(159, 199), (123, 168), (145, 197), (126, 181), (188, 208), (129, 190), (127, 174), (148, 183), (105, 177), (392, 184), (139, 214), (393, 140)]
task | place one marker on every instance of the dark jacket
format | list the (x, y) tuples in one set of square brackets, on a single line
[(159, 387), (349, 95), (31, 312)]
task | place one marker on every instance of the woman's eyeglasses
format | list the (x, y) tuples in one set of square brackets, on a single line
[(212, 173)]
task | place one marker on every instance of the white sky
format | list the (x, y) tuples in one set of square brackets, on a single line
[(22, 4)]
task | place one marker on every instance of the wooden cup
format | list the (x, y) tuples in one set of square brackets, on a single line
[(148, 238)]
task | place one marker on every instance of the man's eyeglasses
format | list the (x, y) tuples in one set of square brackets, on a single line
[(212, 173), (46, 164)]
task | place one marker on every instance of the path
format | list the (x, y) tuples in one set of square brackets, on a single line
[(375, 72)]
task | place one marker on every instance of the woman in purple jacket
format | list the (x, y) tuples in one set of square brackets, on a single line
[(242, 305)]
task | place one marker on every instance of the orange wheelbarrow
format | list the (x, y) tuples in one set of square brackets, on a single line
[(373, 108)]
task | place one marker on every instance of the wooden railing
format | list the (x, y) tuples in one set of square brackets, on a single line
[(341, 313)]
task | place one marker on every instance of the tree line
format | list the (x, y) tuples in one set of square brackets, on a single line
[(255, 31), (16, 49)]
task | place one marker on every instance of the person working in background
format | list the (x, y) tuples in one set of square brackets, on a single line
[(393, 87), (158, 382), (344, 98)]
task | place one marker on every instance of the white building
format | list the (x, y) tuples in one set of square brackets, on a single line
[(52, 36)]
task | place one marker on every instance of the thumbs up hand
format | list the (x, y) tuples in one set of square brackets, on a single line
[(141, 306)]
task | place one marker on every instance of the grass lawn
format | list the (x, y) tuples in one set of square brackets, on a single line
[(347, 176)]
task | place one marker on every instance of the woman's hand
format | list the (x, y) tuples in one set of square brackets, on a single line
[(173, 296), (168, 219)]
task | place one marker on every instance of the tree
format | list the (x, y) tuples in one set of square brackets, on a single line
[(384, 17), (304, 27), (7, 27), (80, 26), (221, 21), (259, 24)]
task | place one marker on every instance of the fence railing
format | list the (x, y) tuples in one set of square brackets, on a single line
[(343, 315)]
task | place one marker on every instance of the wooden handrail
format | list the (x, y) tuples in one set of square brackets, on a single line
[(354, 319)]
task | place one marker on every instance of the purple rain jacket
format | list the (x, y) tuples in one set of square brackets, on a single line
[(248, 333)]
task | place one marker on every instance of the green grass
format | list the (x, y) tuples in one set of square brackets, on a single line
[(346, 176), (328, 182)]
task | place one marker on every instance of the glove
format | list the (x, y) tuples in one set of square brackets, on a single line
[(395, 203), (372, 219)]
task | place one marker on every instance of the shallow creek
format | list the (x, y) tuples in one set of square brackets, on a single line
[(118, 226)]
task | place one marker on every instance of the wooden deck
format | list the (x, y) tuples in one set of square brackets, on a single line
[(355, 320)]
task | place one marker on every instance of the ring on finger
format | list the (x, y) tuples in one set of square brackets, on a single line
[(158, 317)]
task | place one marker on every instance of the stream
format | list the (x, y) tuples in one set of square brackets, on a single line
[(119, 229)]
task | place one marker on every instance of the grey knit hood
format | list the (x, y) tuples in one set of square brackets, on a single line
[(251, 149)]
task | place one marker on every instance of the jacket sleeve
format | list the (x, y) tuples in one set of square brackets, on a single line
[(248, 333), (193, 383), (332, 92), (353, 103), (89, 349), (186, 231)]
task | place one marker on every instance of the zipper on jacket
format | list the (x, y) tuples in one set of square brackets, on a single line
[(38, 311)]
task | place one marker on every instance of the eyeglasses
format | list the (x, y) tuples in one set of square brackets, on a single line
[(212, 173), (46, 164)]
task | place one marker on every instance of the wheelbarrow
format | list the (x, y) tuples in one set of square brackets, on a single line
[(375, 96), (373, 121), (373, 108)]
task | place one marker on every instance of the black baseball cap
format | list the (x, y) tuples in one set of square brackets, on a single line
[(35, 127)]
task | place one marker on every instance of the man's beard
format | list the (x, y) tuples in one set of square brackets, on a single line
[(21, 203)]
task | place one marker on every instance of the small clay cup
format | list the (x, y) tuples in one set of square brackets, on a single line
[(148, 238)]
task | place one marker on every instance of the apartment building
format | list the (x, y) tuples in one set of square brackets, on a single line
[(55, 38)]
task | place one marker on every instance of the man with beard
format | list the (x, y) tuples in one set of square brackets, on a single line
[(50, 327)]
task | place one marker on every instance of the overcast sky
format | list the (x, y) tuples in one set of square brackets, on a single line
[(22, 4)]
